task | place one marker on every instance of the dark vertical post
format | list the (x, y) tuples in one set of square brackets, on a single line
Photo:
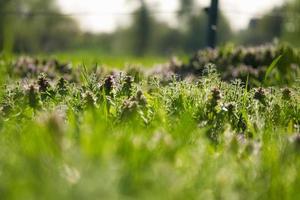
[(212, 23)]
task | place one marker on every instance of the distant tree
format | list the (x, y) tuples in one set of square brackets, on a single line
[(195, 36), (292, 26), (191, 23), (265, 29), (36, 25), (185, 7), (141, 29), (3, 17), (225, 32), (185, 12), (164, 39), (148, 35)]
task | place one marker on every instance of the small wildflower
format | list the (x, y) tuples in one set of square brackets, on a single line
[(43, 83), (230, 107), (286, 94), (215, 97), (109, 83), (61, 86), (260, 95), (216, 94)]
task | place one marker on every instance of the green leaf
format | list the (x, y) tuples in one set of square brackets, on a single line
[(271, 67)]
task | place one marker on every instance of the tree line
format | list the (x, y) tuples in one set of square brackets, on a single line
[(24, 31)]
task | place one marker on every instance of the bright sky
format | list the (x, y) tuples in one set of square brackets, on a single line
[(106, 15)]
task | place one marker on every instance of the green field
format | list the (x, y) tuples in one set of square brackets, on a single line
[(92, 57), (91, 133)]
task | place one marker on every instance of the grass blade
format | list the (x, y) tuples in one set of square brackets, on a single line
[(271, 67)]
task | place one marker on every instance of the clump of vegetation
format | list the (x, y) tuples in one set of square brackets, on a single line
[(245, 63), (27, 67)]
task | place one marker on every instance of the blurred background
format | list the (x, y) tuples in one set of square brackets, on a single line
[(141, 28)]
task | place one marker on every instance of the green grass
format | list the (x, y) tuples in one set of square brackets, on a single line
[(90, 58), (115, 138)]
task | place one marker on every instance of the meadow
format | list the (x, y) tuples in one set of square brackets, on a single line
[(225, 125)]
